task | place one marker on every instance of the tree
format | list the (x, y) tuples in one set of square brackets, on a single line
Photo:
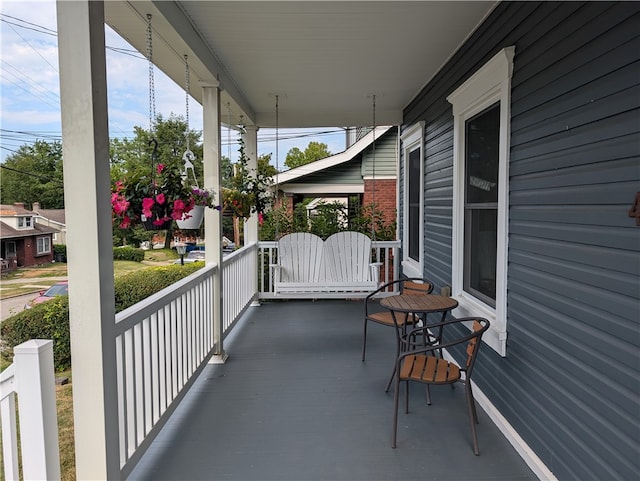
[(314, 151), (34, 174)]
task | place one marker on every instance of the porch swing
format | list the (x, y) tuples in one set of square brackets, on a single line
[(338, 267)]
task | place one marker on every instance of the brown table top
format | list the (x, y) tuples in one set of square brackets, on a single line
[(419, 303)]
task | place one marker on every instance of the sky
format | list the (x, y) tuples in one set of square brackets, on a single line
[(30, 100)]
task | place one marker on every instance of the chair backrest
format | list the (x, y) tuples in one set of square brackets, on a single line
[(347, 256), (300, 257), (478, 328), (411, 287)]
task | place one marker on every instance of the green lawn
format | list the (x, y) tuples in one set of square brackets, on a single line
[(47, 273)]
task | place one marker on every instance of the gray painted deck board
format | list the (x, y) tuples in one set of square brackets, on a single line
[(295, 402)]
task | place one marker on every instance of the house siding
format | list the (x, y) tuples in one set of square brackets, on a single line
[(569, 384), (383, 163)]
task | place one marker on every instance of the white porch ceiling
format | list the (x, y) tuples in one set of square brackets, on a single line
[(324, 60)]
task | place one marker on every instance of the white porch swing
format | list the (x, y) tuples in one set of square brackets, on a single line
[(339, 267)]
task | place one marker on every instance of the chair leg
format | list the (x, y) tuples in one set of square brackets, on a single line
[(394, 366), (364, 339), (396, 395), (406, 396), (472, 421), (393, 374), (428, 392), (473, 403)]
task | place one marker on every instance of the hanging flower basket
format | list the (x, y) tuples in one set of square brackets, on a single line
[(236, 203), (196, 216), (155, 202)]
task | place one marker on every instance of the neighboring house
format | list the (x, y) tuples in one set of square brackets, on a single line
[(52, 218), (23, 241), (519, 163), (366, 169)]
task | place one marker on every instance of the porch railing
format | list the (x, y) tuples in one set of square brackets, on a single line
[(386, 252), (31, 377), (163, 342)]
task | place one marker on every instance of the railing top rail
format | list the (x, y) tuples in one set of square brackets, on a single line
[(243, 251), (7, 382)]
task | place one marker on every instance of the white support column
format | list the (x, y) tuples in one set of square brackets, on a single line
[(250, 138), (211, 146), (85, 134), (33, 363)]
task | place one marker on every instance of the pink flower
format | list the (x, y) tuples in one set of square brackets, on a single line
[(125, 223), (160, 168), (147, 204), (160, 198), (120, 205)]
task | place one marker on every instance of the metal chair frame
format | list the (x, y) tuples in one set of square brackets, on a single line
[(421, 364), (409, 286)]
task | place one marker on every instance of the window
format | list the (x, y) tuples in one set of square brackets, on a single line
[(412, 247), (25, 222), (43, 245), (481, 110)]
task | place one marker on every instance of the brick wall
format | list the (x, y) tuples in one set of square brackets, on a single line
[(385, 197)]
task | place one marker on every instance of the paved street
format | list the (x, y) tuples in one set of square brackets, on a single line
[(13, 305)]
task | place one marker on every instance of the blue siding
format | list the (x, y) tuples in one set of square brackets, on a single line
[(570, 384)]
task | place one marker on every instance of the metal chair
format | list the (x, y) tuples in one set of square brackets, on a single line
[(407, 286), (420, 364)]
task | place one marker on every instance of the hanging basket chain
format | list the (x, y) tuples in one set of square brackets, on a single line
[(152, 95), (187, 88)]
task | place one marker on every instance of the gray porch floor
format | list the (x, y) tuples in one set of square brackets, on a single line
[(295, 402)]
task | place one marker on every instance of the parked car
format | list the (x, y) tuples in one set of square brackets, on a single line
[(192, 256), (58, 289)]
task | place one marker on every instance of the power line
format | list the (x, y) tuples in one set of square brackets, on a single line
[(31, 174), (46, 29)]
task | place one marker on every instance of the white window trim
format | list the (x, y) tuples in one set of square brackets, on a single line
[(26, 221), (45, 239), (490, 84), (412, 139)]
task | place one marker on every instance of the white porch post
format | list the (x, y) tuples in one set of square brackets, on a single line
[(250, 137), (85, 134), (213, 219), (33, 363)]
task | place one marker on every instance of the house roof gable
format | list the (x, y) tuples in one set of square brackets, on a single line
[(331, 161)]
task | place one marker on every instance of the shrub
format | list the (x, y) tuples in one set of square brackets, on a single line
[(128, 254), (50, 320), (138, 285)]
